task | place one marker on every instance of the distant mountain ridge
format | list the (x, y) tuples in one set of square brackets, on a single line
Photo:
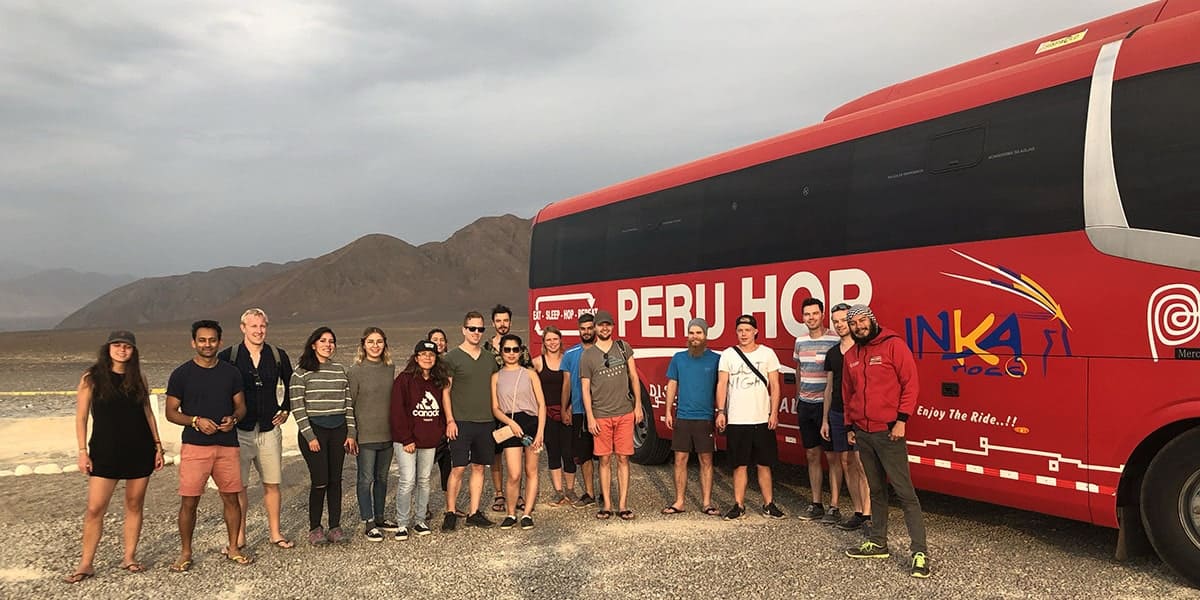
[(40, 299), (377, 274)]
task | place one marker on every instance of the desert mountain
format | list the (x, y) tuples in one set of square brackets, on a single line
[(376, 275), (39, 300)]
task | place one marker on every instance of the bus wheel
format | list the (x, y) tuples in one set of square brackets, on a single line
[(648, 448), (1171, 504)]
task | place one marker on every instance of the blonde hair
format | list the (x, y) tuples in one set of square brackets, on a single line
[(361, 354), (254, 312)]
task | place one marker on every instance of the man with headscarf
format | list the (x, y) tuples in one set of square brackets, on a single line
[(879, 389)]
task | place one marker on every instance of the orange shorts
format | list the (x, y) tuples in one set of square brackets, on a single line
[(197, 463), (616, 436)]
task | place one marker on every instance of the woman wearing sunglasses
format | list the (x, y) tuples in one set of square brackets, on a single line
[(517, 402)]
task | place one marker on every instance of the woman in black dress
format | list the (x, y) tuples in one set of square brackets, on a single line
[(124, 445)]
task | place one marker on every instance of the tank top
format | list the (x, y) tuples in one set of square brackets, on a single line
[(552, 380), (514, 392)]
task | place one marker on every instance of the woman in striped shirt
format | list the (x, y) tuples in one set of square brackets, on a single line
[(324, 412)]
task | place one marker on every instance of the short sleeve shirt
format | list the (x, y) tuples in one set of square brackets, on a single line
[(609, 379), (809, 355), (749, 399), (696, 377), (471, 391), (833, 364), (570, 364), (206, 392)]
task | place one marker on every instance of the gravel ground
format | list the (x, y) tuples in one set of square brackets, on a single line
[(978, 550)]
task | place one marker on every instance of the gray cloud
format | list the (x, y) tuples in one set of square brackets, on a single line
[(153, 137)]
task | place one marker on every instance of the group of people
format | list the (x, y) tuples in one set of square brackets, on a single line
[(488, 403)]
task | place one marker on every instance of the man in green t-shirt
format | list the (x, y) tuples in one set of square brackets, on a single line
[(469, 420)]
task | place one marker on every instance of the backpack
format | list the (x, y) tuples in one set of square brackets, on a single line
[(233, 354)]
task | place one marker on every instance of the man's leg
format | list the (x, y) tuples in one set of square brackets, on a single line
[(835, 477), (589, 479), (765, 484), (606, 480), (893, 455), (622, 482), (740, 481), (681, 461), (864, 489), (877, 482), (187, 525), (453, 487), (233, 516), (247, 459), (272, 502), (475, 487), (852, 480), (706, 477), (815, 476)]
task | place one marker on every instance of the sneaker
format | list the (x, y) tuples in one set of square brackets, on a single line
[(771, 511), (428, 515), (526, 522), (337, 536), (386, 525), (868, 550), (735, 512), (401, 534), (316, 537), (449, 522), (478, 520), (854, 522), (508, 522), (421, 529), (584, 501), (814, 511), (560, 500), (920, 565), (374, 535), (832, 516)]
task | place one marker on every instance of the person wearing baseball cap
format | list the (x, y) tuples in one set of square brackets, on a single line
[(418, 425)]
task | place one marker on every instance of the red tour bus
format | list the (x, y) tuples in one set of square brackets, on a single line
[(1029, 220)]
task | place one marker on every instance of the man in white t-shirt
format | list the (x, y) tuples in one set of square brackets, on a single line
[(748, 412)]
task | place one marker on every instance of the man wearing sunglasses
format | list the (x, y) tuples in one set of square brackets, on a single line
[(613, 403), (469, 420)]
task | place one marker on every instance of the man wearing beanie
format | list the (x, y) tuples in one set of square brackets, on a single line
[(692, 376), (879, 389)]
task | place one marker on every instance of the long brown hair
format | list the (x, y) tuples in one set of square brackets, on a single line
[(437, 374), (99, 375)]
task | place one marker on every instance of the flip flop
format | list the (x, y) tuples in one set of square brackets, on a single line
[(78, 576), (240, 559), (181, 566), (225, 549), (603, 514), (671, 510), (134, 567), (711, 511), (498, 504), (626, 515), (283, 543)]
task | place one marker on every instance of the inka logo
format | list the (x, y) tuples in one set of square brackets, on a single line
[(995, 344)]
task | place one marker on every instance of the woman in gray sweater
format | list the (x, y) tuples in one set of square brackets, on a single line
[(371, 379)]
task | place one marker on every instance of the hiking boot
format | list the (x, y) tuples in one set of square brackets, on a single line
[(854, 522), (584, 501), (868, 550), (449, 521), (478, 520), (526, 522), (386, 525), (737, 511), (316, 537), (337, 536), (373, 534), (920, 565), (421, 529), (814, 511), (771, 511), (401, 534), (508, 522), (832, 516)]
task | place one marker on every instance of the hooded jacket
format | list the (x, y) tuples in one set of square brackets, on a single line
[(879, 383)]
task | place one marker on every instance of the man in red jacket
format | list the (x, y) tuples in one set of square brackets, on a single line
[(879, 389)]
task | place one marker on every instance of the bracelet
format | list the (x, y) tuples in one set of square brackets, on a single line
[(194, 426)]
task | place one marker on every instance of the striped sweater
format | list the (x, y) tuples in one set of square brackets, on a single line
[(322, 398)]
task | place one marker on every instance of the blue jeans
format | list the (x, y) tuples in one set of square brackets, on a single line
[(414, 472), (374, 460)]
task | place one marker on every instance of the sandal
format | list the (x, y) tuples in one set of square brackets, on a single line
[(671, 510), (283, 543), (498, 503), (79, 576), (134, 567), (240, 559), (711, 511), (181, 566), (603, 514), (626, 515)]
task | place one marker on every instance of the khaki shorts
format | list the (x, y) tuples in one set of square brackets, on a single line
[(197, 463), (262, 450)]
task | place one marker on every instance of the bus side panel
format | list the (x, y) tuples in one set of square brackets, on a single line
[(1003, 438)]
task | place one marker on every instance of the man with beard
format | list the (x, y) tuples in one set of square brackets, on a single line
[(692, 376), (502, 322), (833, 425), (204, 395), (608, 374), (576, 417), (809, 354), (880, 392)]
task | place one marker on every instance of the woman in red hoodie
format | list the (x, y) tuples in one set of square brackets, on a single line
[(418, 426)]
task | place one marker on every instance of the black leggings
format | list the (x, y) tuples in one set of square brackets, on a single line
[(560, 446), (325, 471)]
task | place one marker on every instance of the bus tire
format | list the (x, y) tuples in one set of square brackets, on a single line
[(648, 448), (1170, 499)]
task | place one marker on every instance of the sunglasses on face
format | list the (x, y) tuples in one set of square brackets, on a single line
[(510, 349), (476, 329)]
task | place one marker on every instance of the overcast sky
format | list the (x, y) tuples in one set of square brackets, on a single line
[(163, 137)]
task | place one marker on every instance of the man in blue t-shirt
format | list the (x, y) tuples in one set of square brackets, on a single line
[(692, 377), (577, 417)]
